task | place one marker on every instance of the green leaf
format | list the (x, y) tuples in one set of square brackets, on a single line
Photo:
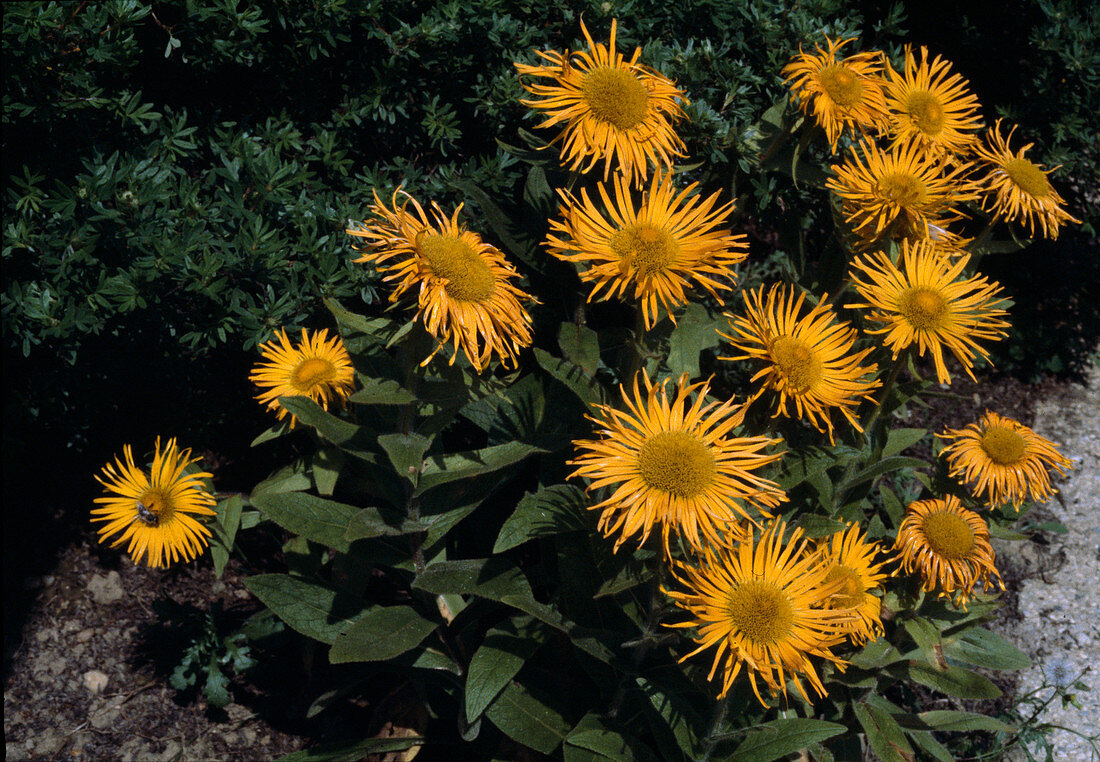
[(351, 438), (963, 722), (379, 329), (216, 687), (900, 439), (956, 681), (379, 634), (981, 648), (595, 740), (370, 522), (326, 466), (527, 719), (494, 664), (572, 376), (441, 469), (279, 429), (315, 611), (228, 522), (875, 655), (320, 520), (924, 741), (289, 479), (551, 510), (672, 707), (694, 332), (353, 751), (884, 735), (381, 391), (884, 466), (819, 526), (406, 453), (581, 346), (778, 738)]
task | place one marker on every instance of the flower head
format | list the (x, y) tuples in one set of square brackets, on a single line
[(1005, 461), (674, 463), (930, 106), (761, 604), (850, 559), (656, 249), (155, 511), (809, 360), (1018, 188), (898, 193), (318, 368), (464, 286), (949, 546), (928, 302), (614, 110), (839, 94)]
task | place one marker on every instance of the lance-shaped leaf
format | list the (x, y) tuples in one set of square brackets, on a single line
[(695, 331), (550, 510), (778, 738), (380, 634), (441, 469), (320, 520), (497, 660), (353, 751), (954, 681), (314, 610), (884, 734), (406, 453), (581, 346), (963, 722), (981, 648), (884, 466), (571, 376), (351, 438), (593, 739), (528, 719), (381, 391), (372, 522)]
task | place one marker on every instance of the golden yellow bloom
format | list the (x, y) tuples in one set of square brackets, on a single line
[(1004, 460), (839, 94), (949, 546), (900, 192), (849, 559), (930, 106), (155, 512), (760, 603), (318, 368), (463, 285), (808, 360), (929, 303), (613, 109), (667, 243), (675, 464), (1018, 189)]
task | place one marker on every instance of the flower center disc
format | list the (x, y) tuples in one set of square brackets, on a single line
[(926, 111), (902, 189), (676, 462), (468, 276), (310, 373), (1003, 445), (948, 534), (152, 507), (841, 84), (615, 95), (1028, 177), (923, 308), (648, 249), (798, 362), (851, 594), (760, 611)]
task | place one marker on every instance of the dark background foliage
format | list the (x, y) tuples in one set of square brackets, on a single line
[(177, 178)]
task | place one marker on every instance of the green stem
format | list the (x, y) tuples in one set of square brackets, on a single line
[(718, 718), (636, 359)]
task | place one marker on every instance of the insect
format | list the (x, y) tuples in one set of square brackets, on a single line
[(147, 517)]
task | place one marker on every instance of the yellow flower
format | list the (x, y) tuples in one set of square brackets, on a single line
[(155, 512), (807, 360), (675, 464), (849, 559), (900, 192), (667, 243), (463, 285), (1017, 188), (949, 546), (318, 368), (760, 603), (839, 94), (929, 303), (930, 106), (1004, 460), (613, 109)]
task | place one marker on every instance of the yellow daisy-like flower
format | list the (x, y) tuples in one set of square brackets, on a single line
[(839, 94), (674, 463), (849, 559), (155, 511), (1018, 188), (1005, 461), (949, 546), (928, 302), (613, 109), (318, 368), (666, 244), (760, 603), (899, 192), (808, 360), (930, 106), (463, 285)]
